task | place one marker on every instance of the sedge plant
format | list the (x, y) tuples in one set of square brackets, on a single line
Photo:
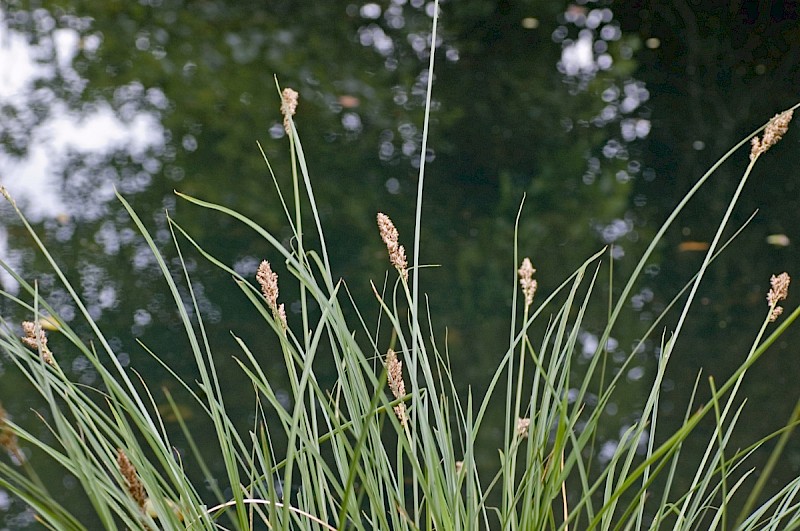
[(393, 444)]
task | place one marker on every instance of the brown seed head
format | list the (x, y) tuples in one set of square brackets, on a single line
[(390, 236), (36, 339), (774, 131), (268, 280), (394, 374), (134, 484)]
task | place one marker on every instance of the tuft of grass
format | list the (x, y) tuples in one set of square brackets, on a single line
[(393, 445)]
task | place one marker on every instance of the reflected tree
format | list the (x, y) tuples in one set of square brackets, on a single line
[(530, 97)]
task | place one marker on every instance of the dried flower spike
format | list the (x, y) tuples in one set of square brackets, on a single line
[(134, 484), (778, 292), (268, 280), (774, 131), (390, 236), (289, 99), (36, 339), (526, 280), (394, 374)]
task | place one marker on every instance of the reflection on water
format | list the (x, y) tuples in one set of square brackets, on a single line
[(48, 142)]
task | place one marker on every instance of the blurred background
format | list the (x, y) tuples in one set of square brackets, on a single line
[(601, 114)]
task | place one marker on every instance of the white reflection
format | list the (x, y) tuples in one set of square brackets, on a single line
[(33, 179), (577, 57)]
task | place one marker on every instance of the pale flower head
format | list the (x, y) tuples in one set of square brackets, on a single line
[(526, 280), (779, 291), (289, 99), (282, 315), (523, 424), (774, 131)]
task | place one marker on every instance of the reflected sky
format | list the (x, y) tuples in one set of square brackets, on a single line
[(34, 179)]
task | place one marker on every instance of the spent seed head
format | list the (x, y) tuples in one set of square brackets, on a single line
[(390, 236), (36, 339), (394, 374), (268, 279), (134, 484)]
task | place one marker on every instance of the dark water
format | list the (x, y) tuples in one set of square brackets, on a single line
[(601, 116)]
